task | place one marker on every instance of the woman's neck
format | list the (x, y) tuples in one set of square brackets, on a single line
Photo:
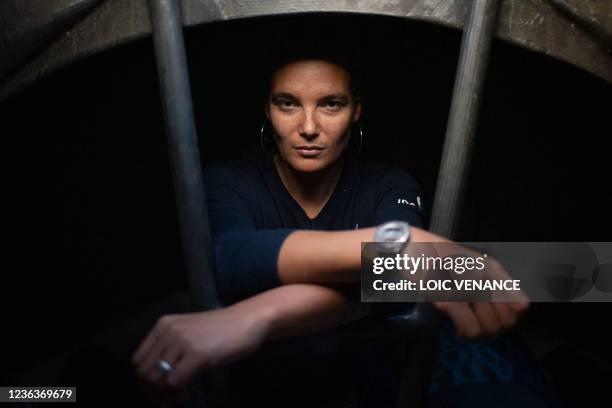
[(310, 190)]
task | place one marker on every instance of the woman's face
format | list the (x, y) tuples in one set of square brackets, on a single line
[(311, 109)]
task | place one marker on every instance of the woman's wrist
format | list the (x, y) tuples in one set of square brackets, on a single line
[(293, 310), (258, 316), (421, 235)]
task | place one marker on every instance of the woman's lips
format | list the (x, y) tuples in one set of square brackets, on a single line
[(309, 151)]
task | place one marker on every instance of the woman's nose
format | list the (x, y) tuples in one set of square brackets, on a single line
[(309, 127)]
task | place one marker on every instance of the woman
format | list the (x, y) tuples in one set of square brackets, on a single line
[(287, 231)]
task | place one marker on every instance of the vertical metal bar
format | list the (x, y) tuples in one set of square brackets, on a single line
[(184, 151), (463, 117), (175, 89)]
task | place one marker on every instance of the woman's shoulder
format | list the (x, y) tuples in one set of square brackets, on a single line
[(379, 172), (235, 172), (251, 165)]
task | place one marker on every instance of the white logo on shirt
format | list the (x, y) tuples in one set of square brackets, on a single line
[(404, 201)]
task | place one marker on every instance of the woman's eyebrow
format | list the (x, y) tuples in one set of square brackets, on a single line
[(282, 95), (339, 96), (342, 97)]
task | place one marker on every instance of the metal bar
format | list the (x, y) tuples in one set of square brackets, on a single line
[(463, 117), (184, 151)]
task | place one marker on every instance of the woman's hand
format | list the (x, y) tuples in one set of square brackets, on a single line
[(194, 342), (478, 318), (481, 318), (197, 341)]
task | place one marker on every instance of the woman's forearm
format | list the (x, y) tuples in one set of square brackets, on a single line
[(192, 342), (326, 257), (322, 256), (299, 309)]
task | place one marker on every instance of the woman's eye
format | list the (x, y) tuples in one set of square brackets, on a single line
[(333, 105), (285, 103)]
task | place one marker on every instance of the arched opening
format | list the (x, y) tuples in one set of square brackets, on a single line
[(89, 192)]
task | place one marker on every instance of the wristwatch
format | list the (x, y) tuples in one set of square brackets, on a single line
[(391, 237)]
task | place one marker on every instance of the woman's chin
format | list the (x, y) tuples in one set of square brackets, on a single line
[(308, 165)]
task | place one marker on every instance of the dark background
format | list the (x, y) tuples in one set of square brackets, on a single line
[(89, 223)]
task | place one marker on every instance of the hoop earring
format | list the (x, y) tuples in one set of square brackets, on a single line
[(360, 139), (261, 136), (264, 141), (355, 147)]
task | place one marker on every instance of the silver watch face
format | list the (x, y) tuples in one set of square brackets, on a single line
[(392, 236)]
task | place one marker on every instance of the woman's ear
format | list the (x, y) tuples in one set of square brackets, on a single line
[(357, 112), (267, 110)]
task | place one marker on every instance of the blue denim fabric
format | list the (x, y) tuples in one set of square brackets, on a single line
[(493, 372)]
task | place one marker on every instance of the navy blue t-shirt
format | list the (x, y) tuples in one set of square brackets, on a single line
[(251, 213)]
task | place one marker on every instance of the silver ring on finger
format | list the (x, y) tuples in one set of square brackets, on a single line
[(164, 367)]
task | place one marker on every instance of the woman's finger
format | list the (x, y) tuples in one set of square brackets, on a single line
[(507, 316), (186, 368), (143, 349), (150, 367), (172, 355), (487, 317), (144, 360), (464, 319), (521, 305)]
